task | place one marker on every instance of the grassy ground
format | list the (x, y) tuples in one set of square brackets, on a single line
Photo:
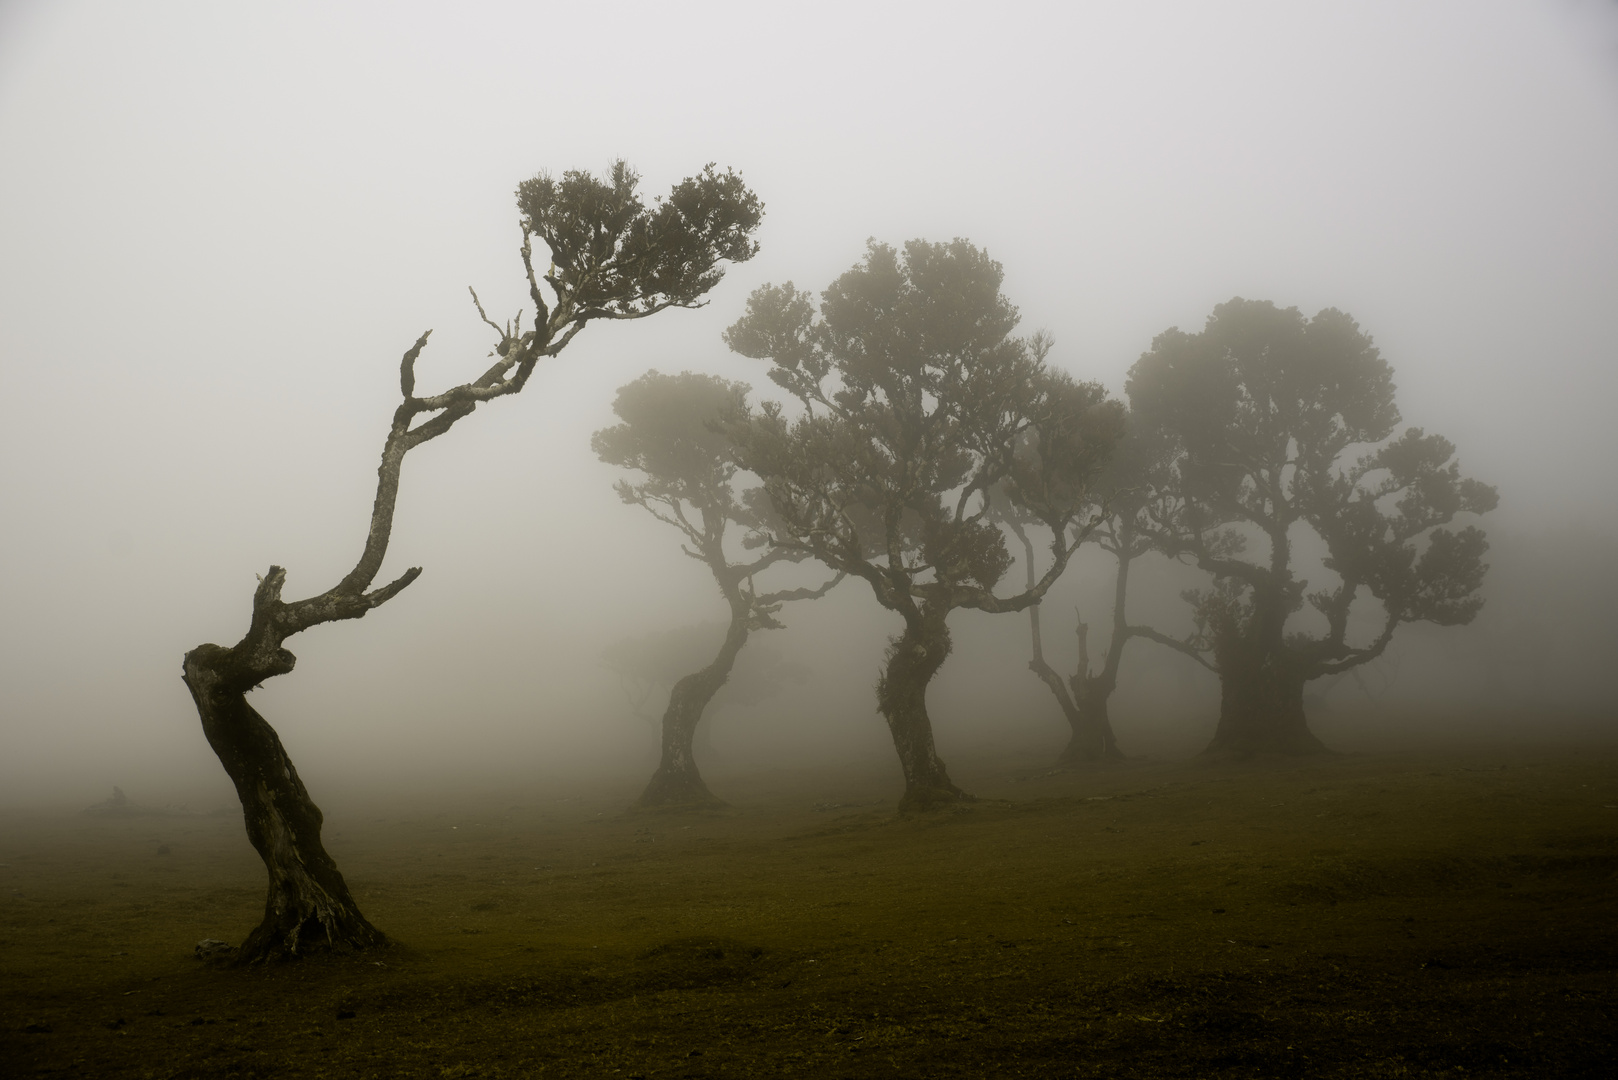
[(1380, 916)]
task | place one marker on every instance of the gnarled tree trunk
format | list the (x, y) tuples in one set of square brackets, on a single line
[(677, 782), (308, 906), (914, 657)]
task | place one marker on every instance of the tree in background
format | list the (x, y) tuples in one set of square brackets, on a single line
[(917, 402), (1127, 486), (1261, 411), (647, 663), (670, 434), (612, 257)]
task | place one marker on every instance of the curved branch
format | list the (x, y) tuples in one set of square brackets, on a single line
[(784, 595), (1050, 678), (1176, 644), (1355, 657)]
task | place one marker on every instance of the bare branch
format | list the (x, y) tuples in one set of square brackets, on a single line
[(541, 312), (496, 327), (377, 597), (407, 366)]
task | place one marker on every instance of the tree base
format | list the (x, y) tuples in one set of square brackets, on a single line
[(1079, 755), (923, 798), (291, 938), (1299, 742), (678, 791)]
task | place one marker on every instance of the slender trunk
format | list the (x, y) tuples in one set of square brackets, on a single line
[(1093, 699), (1084, 696), (308, 906), (914, 657), (1261, 704), (677, 781)]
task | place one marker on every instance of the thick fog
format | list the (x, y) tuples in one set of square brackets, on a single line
[(221, 225)]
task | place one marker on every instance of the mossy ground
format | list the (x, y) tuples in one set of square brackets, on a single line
[(1382, 916)]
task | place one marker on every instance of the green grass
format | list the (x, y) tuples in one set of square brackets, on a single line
[(1378, 916)]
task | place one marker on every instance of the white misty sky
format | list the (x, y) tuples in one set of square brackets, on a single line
[(221, 224)]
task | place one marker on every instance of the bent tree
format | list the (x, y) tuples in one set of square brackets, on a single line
[(1281, 426), (649, 664), (670, 435), (917, 402), (612, 257)]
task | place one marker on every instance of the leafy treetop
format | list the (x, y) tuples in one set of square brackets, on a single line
[(917, 401), (1261, 410), (613, 257)]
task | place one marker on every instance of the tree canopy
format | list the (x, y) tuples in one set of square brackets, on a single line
[(916, 401), (1276, 422), (614, 257)]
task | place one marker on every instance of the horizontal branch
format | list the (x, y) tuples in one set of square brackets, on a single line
[(786, 595)]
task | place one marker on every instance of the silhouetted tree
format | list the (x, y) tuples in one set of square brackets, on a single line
[(1261, 410), (670, 434), (1126, 487), (611, 257), (917, 401)]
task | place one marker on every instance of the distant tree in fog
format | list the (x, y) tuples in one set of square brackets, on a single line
[(917, 401), (1127, 486), (670, 436), (1276, 423), (611, 257)]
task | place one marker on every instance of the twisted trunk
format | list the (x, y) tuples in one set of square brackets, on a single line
[(308, 906), (677, 781), (914, 657)]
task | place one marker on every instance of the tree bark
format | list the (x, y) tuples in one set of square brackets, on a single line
[(1261, 704), (914, 657), (1092, 739), (677, 783), (308, 906)]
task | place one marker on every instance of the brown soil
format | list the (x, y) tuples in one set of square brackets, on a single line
[(1366, 916)]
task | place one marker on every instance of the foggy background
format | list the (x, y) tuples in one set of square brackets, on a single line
[(221, 225)]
